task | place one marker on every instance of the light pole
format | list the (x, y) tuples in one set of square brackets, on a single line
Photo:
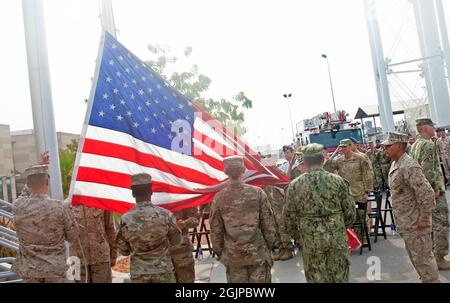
[(288, 96), (331, 82)]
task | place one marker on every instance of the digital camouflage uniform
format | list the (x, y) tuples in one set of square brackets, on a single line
[(424, 151), (374, 157), (276, 200), (443, 145), (182, 258), (318, 210), (42, 225), (146, 232), (97, 234), (385, 162), (243, 233), (413, 199)]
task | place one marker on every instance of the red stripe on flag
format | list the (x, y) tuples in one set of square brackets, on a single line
[(95, 175), (130, 154)]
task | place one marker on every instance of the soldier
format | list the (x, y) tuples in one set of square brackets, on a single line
[(385, 163), (182, 259), (355, 148), (146, 232), (276, 200), (42, 224), (443, 143), (413, 203), (374, 157), (289, 167), (424, 151), (97, 233), (318, 210), (357, 170), (242, 228)]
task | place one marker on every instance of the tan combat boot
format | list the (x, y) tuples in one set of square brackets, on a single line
[(442, 263), (285, 254)]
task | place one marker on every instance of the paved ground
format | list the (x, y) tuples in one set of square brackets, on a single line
[(391, 254)]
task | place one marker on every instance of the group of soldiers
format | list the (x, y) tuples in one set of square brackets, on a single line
[(248, 224), (156, 239)]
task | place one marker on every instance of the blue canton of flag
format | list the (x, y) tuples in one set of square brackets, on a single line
[(132, 98)]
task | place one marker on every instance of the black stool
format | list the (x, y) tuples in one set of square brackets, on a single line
[(388, 209), (362, 227), (376, 214), (197, 235)]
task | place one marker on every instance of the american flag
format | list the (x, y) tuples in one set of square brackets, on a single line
[(137, 122)]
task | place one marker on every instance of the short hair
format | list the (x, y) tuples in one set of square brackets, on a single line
[(288, 148), (314, 160), (36, 180), (141, 190)]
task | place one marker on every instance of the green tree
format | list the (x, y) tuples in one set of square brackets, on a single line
[(66, 161), (194, 85)]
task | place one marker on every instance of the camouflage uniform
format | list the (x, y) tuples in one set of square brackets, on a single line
[(424, 151), (42, 224), (243, 233), (276, 200), (318, 210), (97, 233), (385, 163), (374, 157), (443, 145), (146, 232), (182, 258), (413, 199)]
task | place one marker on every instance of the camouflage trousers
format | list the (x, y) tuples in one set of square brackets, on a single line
[(440, 227), (284, 238), (96, 273), (167, 277), (43, 280), (327, 267), (250, 274), (378, 180), (420, 250), (184, 266), (446, 164)]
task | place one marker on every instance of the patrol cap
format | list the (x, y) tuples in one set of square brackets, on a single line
[(312, 150), (393, 138), (141, 178), (345, 142), (36, 169), (233, 160), (424, 121), (440, 129)]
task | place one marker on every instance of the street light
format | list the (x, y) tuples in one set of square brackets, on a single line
[(331, 83), (287, 96)]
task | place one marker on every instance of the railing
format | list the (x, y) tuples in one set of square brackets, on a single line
[(9, 240)]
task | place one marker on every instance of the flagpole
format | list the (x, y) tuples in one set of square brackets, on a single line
[(40, 90), (88, 113), (107, 17)]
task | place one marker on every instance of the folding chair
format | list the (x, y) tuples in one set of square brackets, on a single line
[(362, 227)]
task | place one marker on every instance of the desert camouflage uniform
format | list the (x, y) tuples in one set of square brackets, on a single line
[(444, 152), (97, 234), (243, 233), (318, 210), (374, 157), (182, 259), (424, 151), (42, 224), (276, 200), (146, 232), (413, 199)]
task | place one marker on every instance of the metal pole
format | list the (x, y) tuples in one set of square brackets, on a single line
[(429, 41), (288, 96), (107, 16), (40, 90), (444, 36), (331, 85), (379, 67)]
